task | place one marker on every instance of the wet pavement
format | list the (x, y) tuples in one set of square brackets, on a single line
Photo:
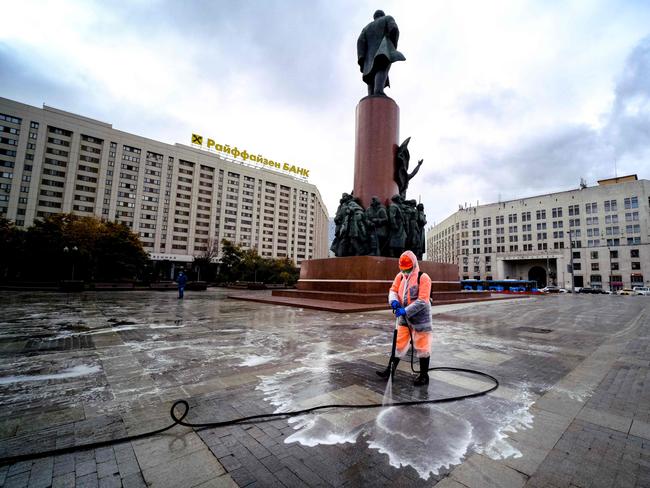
[(573, 408)]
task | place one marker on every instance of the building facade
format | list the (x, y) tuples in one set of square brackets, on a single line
[(529, 238), (179, 199)]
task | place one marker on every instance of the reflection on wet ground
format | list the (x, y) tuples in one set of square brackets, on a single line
[(79, 359)]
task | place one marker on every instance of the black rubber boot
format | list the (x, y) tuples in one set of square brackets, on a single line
[(387, 372), (423, 378)]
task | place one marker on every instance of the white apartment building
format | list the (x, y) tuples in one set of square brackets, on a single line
[(178, 198), (529, 238)]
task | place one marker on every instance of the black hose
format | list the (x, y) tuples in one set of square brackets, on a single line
[(265, 417), (179, 420)]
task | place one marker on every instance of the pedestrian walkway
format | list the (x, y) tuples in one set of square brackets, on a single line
[(573, 408)]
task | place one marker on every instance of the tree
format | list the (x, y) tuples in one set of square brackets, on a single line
[(238, 264), (204, 260), (12, 245), (97, 250), (231, 258)]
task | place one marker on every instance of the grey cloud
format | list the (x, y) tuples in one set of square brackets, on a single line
[(558, 158), (29, 84), (628, 127), (494, 104), (292, 51)]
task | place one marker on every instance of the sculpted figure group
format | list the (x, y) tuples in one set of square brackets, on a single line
[(377, 230)]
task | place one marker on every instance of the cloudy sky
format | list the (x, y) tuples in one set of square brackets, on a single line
[(502, 99)]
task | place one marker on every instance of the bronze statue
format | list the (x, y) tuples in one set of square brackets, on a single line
[(422, 221), (357, 229), (410, 214), (339, 244), (397, 239), (377, 50), (378, 223), (402, 176)]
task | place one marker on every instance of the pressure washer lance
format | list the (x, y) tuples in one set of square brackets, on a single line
[(392, 365), (265, 417)]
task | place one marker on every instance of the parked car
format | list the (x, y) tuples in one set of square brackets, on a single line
[(641, 290), (550, 289), (587, 290), (625, 291)]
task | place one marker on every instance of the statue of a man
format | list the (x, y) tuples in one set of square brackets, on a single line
[(378, 223), (339, 244), (402, 159), (422, 221), (357, 232), (377, 50), (397, 239)]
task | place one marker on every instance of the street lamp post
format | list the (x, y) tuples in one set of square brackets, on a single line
[(67, 250), (573, 289), (548, 269), (609, 253)]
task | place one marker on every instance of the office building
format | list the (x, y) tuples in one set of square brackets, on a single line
[(529, 238), (179, 199)]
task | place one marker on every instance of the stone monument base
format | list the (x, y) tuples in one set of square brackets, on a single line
[(361, 283)]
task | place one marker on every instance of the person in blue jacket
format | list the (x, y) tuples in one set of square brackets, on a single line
[(181, 280)]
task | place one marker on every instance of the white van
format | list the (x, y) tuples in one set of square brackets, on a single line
[(641, 290)]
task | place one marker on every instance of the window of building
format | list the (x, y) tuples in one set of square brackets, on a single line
[(557, 212), (633, 229), (591, 208), (614, 266), (595, 266), (636, 265), (574, 210), (540, 214), (632, 202), (634, 253), (636, 278), (610, 206)]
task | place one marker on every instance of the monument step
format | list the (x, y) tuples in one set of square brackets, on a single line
[(365, 286), (365, 298)]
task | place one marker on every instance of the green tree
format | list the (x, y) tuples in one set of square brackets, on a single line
[(231, 262), (12, 246), (238, 264), (95, 249)]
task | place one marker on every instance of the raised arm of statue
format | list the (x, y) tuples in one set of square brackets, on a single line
[(417, 168)]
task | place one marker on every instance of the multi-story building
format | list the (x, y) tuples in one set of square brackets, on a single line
[(180, 199), (530, 238)]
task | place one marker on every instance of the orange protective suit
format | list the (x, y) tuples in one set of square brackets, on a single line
[(414, 298)]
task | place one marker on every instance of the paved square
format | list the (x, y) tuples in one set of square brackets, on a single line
[(573, 409)]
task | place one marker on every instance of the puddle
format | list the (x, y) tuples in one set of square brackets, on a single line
[(429, 438), (73, 372)]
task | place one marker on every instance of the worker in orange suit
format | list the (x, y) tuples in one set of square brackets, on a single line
[(409, 297)]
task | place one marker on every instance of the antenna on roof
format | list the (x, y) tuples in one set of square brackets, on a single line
[(583, 183), (615, 169)]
